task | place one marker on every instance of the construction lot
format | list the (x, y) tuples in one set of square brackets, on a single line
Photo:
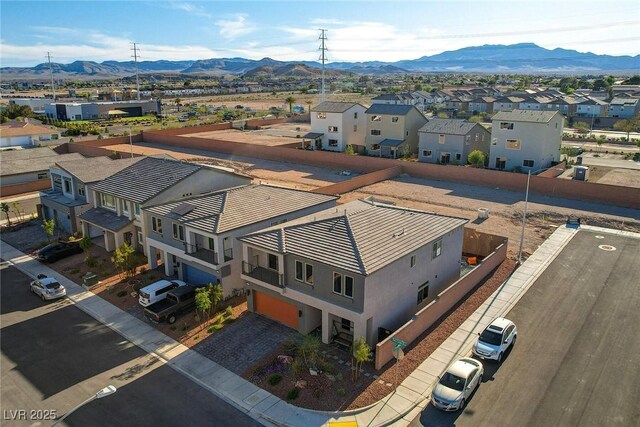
[(272, 135)]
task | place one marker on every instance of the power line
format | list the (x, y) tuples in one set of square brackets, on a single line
[(135, 60), (323, 57), (53, 88)]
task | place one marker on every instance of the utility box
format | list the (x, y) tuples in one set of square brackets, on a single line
[(89, 280), (579, 160), (581, 173)]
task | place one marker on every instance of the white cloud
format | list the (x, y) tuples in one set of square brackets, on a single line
[(189, 8), (235, 27)]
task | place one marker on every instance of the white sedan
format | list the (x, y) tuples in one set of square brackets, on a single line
[(494, 341), (48, 288), (456, 384)]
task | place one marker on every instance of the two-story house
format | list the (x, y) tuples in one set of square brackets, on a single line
[(482, 104), (626, 108), (334, 125), (506, 103), (117, 201), (198, 234), (392, 130), (451, 140), (356, 269), (591, 107), (405, 98), (68, 196), (527, 140)]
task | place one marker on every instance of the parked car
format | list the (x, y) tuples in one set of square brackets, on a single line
[(494, 341), (157, 291), (178, 301), (47, 288), (456, 384), (56, 251)]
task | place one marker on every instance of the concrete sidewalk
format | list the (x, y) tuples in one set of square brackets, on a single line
[(398, 408)]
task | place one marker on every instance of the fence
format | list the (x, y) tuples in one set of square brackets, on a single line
[(360, 181), (25, 187), (444, 301)]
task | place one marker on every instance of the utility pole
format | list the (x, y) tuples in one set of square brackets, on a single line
[(323, 58), (53, 88), (135, 59)]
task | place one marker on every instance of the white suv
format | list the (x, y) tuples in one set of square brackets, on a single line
[(496, 339)]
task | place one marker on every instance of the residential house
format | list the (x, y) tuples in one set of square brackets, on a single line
[(24, 134), (357, 269), (198, 234), (506, 103), (526, 140), (537, 102), (68, 196), (334, 125), (591, 107), (426, 99), (405, 98), (31, 165), (451, 140), (101, 110), (483, 104), (392, 130), (626, 108), (456, 104), (118, 200)]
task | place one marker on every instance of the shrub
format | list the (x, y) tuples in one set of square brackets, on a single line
[(317, 393), (74, 271), (228, 311), (275, 379), (293, 393), (328, 367), (341, 392), (91, 261), (214, 327), (121, 294), (297, 366)]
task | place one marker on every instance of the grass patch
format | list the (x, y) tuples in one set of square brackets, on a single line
[(275, 379), (293, 393)]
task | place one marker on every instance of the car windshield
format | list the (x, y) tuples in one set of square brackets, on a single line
[(491, 337), (452, 381), (54, 285)]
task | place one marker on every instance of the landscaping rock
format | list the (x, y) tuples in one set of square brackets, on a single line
[(301, 384)]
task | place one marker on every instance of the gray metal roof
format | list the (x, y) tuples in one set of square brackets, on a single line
[(392, 109), (624, 101), (94, 169), (146, 178), (31, 165), (333, 107), (387, 142), (367, 237), (105, 218), (448, 126), (226, 210), (312, 135), (525, 116)]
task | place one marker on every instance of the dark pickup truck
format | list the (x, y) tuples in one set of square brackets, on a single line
[(178, 301)]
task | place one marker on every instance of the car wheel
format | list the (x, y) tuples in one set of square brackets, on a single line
[(462, 404), (513, 343), (500, 357), (171, 319)]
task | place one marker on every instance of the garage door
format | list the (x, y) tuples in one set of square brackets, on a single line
[(276, 309), (196, 276)]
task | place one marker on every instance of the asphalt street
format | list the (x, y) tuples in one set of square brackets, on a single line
[(54, 356), (578, 350)]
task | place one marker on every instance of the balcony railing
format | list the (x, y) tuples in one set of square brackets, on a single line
[(228, 254), (263, 274), (201, 253)]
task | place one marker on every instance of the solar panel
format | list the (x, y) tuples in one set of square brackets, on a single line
[(182, 209)]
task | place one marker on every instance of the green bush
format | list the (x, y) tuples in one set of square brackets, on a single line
[(121, 294), (214, 327), (341, 392), (293, 393), (228, 311), (275, 379)]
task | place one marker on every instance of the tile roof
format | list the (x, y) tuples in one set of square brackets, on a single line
[(37, 164), (146, 178), (28, 153), (15, 128), (105, 218), (229, 209), (395, 109), (333, 107), (448, 126), (525, 116), (363, 239), (94, 169)]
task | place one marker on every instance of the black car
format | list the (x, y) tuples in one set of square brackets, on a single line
[(56, 251)]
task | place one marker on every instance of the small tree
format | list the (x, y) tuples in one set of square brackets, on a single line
[(49, 226), (361, 353), (309, 103), (15, 208), (85, 245), (349, 150), (215, 294), (309, 348), (581, 127), (628, 126), (5, 210), (124, 260), (476, 158), (290, 100), (203, 303)]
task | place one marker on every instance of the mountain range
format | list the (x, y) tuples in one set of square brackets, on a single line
[(516, 58)]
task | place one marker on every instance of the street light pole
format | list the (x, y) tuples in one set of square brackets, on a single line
[(99, 395), (524, 218), (130, 143)]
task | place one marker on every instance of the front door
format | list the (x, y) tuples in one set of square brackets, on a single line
[(445, 158)]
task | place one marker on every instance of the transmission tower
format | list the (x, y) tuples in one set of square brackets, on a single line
[(323, 57), (135, 60), (53, 88)]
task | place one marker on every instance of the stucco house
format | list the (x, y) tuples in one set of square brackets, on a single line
[(392, 130), (68, 196), (506, 103), (117, 201), (626, 108), (451, 140), (21, 134), (591, 107), (526, 140), (353, 270), (334, 125), (21, 166), (198, 234), (405, 98)]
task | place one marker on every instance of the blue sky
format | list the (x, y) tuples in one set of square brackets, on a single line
[(285, 30)]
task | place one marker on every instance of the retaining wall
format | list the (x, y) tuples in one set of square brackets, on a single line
[(26, 187)]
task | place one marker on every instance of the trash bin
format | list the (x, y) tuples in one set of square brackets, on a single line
[(483, 213), (90, 279)]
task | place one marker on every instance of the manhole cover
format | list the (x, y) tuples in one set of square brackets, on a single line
[(599, 237), (607, 248)]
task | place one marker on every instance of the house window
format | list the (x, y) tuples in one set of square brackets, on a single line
[(178, 232), (272, 261), (506, 125), (376, 118), (212, 244), (426, 153), (413, 261), (394, 119), (308, 274), (512, 144), (346, 324), (423, 292), (441, 139), (355, 115), (337, 283), (458, 157), (108, 201), (476, 137), (125, 207), (437, 249), (42, 175), (67, 186), (348, 286), (299, 272), (156, 224), (355, 128), (527, 163), (81, 189), (406, 133), (494, 141), (333, 128), (333, 143), (321, 115), (375, 147), (375, 132), (136, 209)]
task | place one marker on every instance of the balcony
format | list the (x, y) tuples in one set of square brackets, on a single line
[(201, 253), (263, 274), (228, 254)]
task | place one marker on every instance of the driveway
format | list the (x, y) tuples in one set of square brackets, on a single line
[(241, 344)]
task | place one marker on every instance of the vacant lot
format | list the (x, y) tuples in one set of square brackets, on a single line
[(278, 134)]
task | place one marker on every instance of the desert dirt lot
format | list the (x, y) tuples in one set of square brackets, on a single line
[(278, 134)]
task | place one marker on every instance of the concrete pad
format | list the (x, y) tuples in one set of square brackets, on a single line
[(416, 385), (256, 397), (236, 388), (443, 355), (366, 418), (453, 346), (408, 394), (266, 403), (433, 366), (384, 416)]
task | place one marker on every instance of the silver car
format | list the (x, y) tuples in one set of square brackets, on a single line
[(456, 384), (496, 339), (48, 288)]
